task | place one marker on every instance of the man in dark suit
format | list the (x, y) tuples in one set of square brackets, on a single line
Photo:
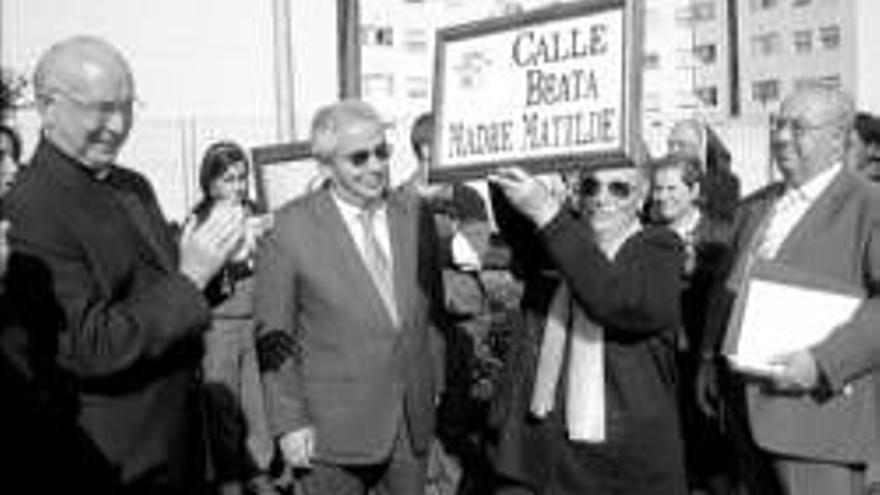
[(109, 300), (347, 282), (816, 415)]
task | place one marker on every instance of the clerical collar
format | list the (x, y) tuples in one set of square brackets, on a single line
[(100, 174)]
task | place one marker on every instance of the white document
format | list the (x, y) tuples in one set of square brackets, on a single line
[(781, 317)]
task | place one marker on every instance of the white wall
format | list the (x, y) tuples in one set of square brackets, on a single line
[(315, 71), (867, 66)]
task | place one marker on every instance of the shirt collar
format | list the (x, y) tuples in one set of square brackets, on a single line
[(98, 174), (814, 187), (351, 211)]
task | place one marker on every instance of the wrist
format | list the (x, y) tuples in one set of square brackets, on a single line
[(546, 213)]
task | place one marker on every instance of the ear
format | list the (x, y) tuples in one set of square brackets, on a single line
[(46, 110)]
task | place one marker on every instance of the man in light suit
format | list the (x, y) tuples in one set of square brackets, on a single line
[(817, 416), (110, 301), (346, 287)]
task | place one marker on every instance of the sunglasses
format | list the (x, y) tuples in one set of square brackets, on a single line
[(798, 126), (361, 157), (590, 187)]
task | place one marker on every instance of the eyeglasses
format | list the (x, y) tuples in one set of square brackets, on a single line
[(100, 108), (590, 187), (798, 127), (361, 157)]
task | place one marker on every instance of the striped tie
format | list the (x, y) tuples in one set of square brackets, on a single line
[(378, 262)]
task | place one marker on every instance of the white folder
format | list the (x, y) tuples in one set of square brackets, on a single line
[(783, 309)]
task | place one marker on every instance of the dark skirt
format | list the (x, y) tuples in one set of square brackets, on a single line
[(644, 451)]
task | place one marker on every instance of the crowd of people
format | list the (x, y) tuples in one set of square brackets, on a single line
[(565, 334)]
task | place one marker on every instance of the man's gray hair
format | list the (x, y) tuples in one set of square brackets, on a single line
[(330, 120)]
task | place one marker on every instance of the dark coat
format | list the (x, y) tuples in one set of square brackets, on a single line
[(635, 298), (94, 276)]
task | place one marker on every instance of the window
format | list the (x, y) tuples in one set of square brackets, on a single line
[(377, 35), (800, 3), (708, 95), (832, 81), (829, 36), (417, 87), (697, 11), (707, 53), (684, 15), (763, 4), (416, 40), (377, 85), (703, 11), (766, 44), (765, 91), (651, 61), (803, 41)]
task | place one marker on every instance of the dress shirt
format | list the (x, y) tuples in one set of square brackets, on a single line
[(790, 208), (350, 216)]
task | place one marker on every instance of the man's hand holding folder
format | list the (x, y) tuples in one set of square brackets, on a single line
[(779, 315)]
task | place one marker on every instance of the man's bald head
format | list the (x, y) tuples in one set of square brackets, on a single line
[(811, 131), (821, 105), (687, 137), (73, 63), (85, 93)]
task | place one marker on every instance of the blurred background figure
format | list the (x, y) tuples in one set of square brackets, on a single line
[(677, 203), (721, 187), (238, 438), (865, 146), (470, 267), (10, 157)]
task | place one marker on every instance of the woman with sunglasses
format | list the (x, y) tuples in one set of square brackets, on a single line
[(238, 438), (590, 404)]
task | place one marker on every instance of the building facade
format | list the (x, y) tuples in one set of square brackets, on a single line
[(785, 44)]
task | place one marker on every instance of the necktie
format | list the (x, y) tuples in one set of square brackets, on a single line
[(378, 262)]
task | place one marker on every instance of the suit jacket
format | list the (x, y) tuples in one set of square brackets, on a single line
[(351, 374), (94, 274), (839, 238)]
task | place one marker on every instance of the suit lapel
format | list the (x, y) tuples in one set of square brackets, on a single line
[(754, 222), (343, 250), (403, 241), (816, 217)]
